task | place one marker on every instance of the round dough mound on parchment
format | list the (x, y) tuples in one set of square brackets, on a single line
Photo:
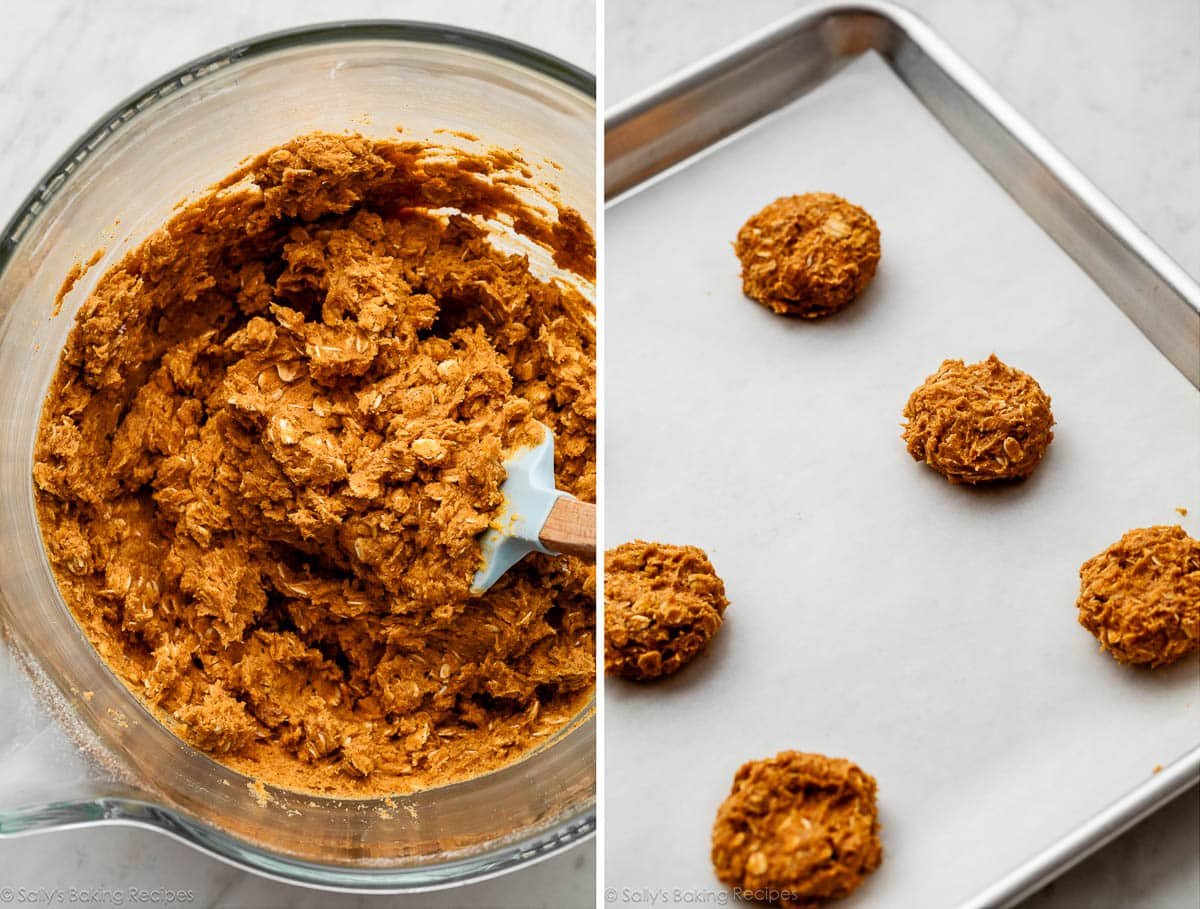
[(662, 605), (1141, 596), (807, 255), (979, 423), (797, 830)]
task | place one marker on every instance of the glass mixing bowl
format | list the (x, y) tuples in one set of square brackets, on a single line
[(81, 749)]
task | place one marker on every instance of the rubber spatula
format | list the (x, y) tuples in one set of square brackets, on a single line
[(536, 517)]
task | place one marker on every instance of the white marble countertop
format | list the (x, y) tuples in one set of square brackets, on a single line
[(62, 65), (1116, 86)]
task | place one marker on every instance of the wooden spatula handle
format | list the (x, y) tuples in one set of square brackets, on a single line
[(570, 527)]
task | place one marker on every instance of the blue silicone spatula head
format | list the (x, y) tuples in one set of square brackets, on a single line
[(529, 497)]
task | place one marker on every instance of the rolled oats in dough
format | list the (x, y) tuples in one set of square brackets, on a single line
[(662, 605), (276, 428), (1141, 596), (808, 255), (797, 830), (979, 423)]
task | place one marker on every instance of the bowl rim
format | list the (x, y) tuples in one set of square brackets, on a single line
[(489, 861)]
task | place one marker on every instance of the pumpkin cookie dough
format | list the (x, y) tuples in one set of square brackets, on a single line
[(662, 605), (979, 423), (276, 428), (797, 830), (808, 255), (1141, 596)]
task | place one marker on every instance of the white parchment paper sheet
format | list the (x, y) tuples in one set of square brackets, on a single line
[(926, 631)]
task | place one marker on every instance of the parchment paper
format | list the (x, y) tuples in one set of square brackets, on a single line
[(926, 631)]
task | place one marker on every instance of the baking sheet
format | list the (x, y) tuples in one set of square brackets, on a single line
[(925, 631)]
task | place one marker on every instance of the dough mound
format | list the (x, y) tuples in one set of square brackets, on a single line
[(808, 255), (797, 830), (979, 423), (662, 605), (1141, 596)]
